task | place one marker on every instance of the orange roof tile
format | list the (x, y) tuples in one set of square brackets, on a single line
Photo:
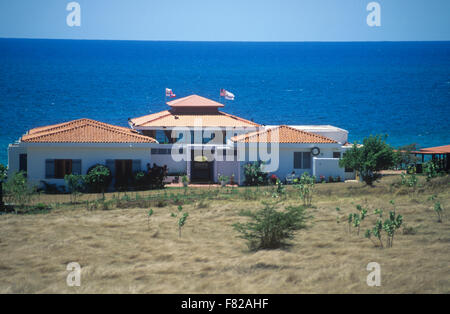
[(169, 119), (434, 150), (194, 101), (282, 134), (84, 131)]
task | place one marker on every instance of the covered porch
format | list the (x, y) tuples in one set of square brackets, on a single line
[(439, 154)]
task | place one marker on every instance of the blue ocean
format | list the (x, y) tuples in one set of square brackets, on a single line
[(397, 88)]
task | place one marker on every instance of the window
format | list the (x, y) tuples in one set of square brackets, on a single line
[(231, 155), (161, 137), (348, 169), (163, 151), (58, 168), (302, 160), (297, 160), (306, 162), (336, 154), (23, 162)]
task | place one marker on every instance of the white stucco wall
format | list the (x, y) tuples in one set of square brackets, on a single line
[(327, 167), (89, 155), (172, 166), (14, 151), (227, 168), (286, 159)]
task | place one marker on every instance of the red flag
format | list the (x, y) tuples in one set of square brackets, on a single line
[(169, 93)]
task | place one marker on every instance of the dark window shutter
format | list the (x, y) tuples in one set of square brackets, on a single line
[(23, 162), (112, 166), (297, 160), (49, 168), (336, 154), (76, 166), (306, 160)]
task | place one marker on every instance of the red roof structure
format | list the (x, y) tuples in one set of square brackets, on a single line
[(438, 150)]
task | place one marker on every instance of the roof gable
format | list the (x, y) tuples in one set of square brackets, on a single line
[(171, 119), (282, 134), (84, 131), (194, 101)]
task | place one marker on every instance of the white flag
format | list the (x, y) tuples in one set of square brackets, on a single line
[(228, 95)]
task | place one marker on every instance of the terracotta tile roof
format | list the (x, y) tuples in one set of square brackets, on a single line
[(84, 131), (169, 119), (434, 150), (194, 101), (285, 134)]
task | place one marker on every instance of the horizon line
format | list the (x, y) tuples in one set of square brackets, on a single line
[(229, 41)]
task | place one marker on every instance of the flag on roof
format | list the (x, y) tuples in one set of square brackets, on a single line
[(169, 93), (228, 95)]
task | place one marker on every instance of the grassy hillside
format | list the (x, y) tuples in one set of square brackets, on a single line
[(119, 253)]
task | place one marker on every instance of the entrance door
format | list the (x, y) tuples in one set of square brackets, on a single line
[(124, 172), (201, 168)]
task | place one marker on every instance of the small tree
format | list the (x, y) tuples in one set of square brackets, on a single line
[(98, 179), (404, 156), (254, 175), (182, 217), (390, 226), (305, 186), (438, 210), (437, 207), (18, 191), (375, 155), (75, 184), (430, 169), (269, 227)]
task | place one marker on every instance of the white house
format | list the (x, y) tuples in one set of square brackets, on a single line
[(192, 137)]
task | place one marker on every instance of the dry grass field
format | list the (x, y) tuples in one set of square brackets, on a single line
[(119, 254)]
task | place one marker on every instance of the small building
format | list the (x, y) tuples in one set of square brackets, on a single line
[(192, 137), (439, 154)]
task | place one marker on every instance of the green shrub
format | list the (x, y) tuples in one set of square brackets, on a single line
[(182, 217), (18, 191), (254, 175), (75, 184), (140, 181), (305, 186), (404, 159), (151, 179), (430, 170), (438, 210), (280, 190), (269, 228), (98, 179), (149, 214), (389, 226), (374, 155), (437, 207)]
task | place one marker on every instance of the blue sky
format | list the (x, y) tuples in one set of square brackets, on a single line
[(230, 20)]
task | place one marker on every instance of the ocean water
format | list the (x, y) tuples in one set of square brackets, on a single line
[(397, 88)]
